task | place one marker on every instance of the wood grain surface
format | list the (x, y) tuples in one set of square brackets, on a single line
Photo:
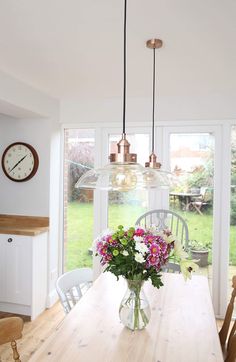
[(182, 326), (23, 225)]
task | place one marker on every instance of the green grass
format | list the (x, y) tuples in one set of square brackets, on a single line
[(201, 228), (80, 229), (124, 215), (79, 235)]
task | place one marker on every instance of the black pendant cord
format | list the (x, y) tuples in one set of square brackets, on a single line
[(153, 97), (124, 90)]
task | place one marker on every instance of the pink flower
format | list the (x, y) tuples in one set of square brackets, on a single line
[(150, 238), (139, 232), (154, 249), (152, 260), (111, 241)]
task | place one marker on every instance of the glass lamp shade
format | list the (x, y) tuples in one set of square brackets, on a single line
[(168, 179), (119, 176)]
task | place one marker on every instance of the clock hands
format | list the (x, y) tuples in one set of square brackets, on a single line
[(18, 163)]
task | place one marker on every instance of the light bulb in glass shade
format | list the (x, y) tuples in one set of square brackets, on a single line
[(124, 179)]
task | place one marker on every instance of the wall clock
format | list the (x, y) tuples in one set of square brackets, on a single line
[(20, 161)]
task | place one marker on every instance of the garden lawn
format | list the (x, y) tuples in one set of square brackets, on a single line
[(80, 230)]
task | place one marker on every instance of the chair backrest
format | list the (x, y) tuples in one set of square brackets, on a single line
[(231, 350), (223, 334), (166, 219), (10, 330), (207, 194), (70, 285)]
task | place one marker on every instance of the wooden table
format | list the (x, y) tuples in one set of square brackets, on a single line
[(184, 198), (182, 326)]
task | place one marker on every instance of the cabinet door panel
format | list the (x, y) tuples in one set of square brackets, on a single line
[(18, 269)]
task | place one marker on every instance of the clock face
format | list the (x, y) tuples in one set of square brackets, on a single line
[(20, 161)]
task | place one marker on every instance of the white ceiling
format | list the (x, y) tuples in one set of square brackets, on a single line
[(73, 48)]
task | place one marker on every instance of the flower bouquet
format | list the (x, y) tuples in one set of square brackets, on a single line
[(139, 254)]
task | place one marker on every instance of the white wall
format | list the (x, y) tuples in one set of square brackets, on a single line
[(185, 107), (17, 96), (30, 197)]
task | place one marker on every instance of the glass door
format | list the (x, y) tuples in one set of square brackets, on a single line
[(194, 155), (192, 161), (79, 149)]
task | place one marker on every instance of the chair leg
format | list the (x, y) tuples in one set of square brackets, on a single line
[(198, 209), (16, 355)]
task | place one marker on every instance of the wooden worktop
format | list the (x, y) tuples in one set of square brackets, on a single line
[(23, 225)]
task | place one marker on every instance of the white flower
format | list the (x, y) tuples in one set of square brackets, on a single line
[(187, 267), (179, 251), (139, 258), (125, 253), (141, 247), (138, 238), (168, 239), (125, 228), (153, 229)]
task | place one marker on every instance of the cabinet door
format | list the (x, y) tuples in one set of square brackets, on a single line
[(18, 271)]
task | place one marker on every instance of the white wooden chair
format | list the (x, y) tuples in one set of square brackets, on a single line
[(71, 285), (166, 219), (228, 338), (10, 330)]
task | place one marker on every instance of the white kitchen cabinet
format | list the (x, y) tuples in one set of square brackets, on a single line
[(23, 273)]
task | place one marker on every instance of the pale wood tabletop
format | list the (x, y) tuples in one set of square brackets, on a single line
[(182, 327)]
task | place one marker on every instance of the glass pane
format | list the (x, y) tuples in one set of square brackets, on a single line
[(78, 204), (232, 249), (192, 160), (124, 208)]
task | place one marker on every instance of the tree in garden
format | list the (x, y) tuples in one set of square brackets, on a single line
[(79, 159)]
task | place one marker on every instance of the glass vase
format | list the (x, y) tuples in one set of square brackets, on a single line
[(134, 308)]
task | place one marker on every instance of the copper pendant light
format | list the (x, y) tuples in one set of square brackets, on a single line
[(123, 173), (153, 164)]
